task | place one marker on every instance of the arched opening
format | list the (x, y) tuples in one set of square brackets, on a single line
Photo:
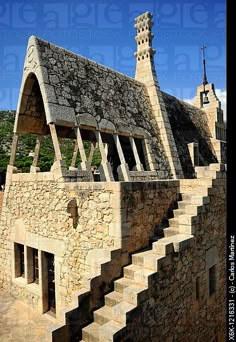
[(34, 149), (32, 119)]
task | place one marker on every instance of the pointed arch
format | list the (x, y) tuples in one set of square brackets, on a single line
[(31, 117)]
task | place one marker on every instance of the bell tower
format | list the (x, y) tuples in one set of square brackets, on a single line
[(207, 100)]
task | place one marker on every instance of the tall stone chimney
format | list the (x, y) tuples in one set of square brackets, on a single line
[(146, 73), (145, 68)]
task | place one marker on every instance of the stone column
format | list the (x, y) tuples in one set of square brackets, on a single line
[(91, 153), (139, 166), (194, 153), (55, 141), (75, 153), (105, 167), (84, 163), (148, 155), (123, 169), (13, 149), (34, 167)]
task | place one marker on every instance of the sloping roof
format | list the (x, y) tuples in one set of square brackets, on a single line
[(62, 87), (72, 85), (189, 124)]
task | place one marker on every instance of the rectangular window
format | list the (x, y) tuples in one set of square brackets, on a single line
[(19, 260), (35, 266), (212, 280)]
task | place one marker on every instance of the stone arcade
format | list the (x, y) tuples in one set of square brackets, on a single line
[(138, 254)]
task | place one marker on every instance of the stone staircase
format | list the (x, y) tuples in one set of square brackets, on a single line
[(109, 322), (105, 265)]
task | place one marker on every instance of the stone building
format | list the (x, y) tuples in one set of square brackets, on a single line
[(137, 254)]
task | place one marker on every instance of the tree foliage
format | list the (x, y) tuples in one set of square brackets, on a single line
[(26, 146)]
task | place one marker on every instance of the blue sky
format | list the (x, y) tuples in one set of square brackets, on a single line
[(104, 31)]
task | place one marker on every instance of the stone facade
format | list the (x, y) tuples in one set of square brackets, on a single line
[(139, 253), (1, 200), (108, 216)]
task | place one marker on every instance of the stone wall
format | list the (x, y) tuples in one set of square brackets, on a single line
[(175, 311), (1, 200), (143, 206), (108, 216), (189, 124)]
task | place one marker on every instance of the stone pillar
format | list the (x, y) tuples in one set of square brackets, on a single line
[(91, 153), (13, 149), (146, 73), (139, 166), (123, 169), (75, 153), (55, 141), (105, 167), (34, 167), (194, 153), (148, 155), (84, 163)]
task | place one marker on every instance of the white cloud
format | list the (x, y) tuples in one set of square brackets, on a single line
[(190, 101), (221, 94)]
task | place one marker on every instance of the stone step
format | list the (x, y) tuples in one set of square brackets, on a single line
[(163, 246), (200, 200), (113, 298), (188, 219), (130, 270), (90, 333), (186, 197), (201, 168), (178, 212), (197, 191), (121, 310), (182, 242), (136, 294), (174, 222), (170, 231), (193, 209), (121, 284), (144, 277), (138, 258), (215, 174), (187, 229), (147, 259), (217, 167), (182, 204), (111, 331), (200, 173), (103, 315)]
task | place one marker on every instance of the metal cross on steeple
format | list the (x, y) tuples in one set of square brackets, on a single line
[(205, 99), (204, 65)]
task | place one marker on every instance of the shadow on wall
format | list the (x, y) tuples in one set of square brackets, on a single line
[(189, 124)]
